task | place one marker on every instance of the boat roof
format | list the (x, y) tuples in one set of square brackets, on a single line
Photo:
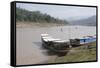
[(47, 37), (44, 34), (50, 39)]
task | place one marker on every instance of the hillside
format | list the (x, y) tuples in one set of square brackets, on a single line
[(91, 21), (23, 15)]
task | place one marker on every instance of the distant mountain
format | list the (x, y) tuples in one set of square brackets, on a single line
[(91, 21)]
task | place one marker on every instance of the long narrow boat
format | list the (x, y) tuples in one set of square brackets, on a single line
[(87, 39), (82, 41), (56, 45)]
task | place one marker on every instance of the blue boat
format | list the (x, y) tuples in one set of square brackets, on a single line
[(87, 40)]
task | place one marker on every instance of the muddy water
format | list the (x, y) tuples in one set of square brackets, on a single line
[(28, 41)]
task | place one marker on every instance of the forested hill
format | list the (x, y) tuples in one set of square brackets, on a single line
[(36, 16)]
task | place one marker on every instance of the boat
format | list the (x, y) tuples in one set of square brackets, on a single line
[(82, 41), (87, 39), (56, 45)]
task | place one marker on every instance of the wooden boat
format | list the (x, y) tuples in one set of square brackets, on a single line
[(87, 40), (56, 45), (82, 41)]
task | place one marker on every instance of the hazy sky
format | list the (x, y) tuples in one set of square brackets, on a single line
[(59, 11)]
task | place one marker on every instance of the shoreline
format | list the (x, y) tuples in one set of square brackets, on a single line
[(42, 25), (36, 24)]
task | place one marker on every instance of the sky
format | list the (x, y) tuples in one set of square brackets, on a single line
[(59, 11)]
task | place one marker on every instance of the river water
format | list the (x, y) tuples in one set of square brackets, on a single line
[(28, 41)]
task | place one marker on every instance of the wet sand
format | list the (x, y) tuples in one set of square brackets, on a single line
[(29, 48)]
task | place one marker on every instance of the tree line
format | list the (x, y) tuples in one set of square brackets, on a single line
[(36, 16)]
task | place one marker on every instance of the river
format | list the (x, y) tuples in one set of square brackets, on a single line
[(28, 41)]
